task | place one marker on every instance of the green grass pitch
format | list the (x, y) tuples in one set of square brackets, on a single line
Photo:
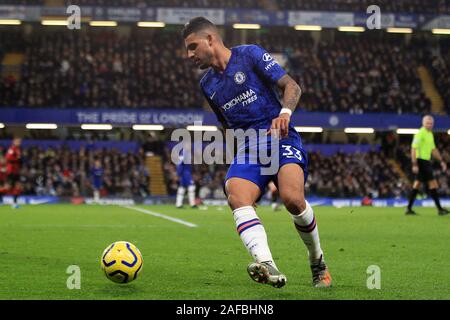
[(38, 243)]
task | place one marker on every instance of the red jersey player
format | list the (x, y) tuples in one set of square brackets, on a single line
[(13, 160), (2, 177)]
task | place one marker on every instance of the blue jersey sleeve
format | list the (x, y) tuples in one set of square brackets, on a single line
[(265, 65)]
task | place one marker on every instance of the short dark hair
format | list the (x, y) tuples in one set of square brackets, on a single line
[(195, 25)]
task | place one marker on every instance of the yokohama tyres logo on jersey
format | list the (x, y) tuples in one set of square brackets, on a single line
[(245, 98), (270, 65), (267, 57)]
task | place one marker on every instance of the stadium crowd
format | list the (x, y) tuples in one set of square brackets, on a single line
[(372, 174), (440, 69), (64, 172), (96, 69), (354, 175), (404, 6), (67, 173), (353, 74)]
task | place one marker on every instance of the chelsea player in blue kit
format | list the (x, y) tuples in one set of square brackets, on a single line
[(97, 179), (241, 88), (184, 173)]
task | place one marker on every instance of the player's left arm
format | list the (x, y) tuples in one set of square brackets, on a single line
[(291, 96), (437, 155)]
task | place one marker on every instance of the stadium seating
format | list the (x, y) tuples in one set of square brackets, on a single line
[(406, 6), (370, 73), (440, 70), (70, 69), (95, 69)]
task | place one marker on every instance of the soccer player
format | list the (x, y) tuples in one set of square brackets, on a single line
[(13, 161), (97, 179), (2, 177), (240, 86), (185, 182), (422, 149)]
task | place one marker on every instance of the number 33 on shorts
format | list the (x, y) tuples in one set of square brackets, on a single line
[(291, 152)]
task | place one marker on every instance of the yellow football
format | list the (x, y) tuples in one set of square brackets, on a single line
[(122, 262)]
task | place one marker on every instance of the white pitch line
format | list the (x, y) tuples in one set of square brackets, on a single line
[(156, 214)]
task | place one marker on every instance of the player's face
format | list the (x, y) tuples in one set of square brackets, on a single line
[(428, 123), (199, 50), (17, 142)]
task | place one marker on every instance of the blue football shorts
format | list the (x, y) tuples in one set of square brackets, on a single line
[(290, 151)]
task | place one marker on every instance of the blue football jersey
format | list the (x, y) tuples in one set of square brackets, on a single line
[(245, 94), (97, 177), (184, 171)]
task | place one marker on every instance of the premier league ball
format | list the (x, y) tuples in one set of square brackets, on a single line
[(121, 262)]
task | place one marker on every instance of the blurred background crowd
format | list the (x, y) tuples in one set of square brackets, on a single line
[(407, 6), (106, 69), (67, 173), (131, 68)]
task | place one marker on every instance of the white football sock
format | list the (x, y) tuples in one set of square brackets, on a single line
[(97, 196), (253, 234), (191, 195), (275, 206), (180, 195), (306, 226)]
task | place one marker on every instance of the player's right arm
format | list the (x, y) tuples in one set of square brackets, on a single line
[(414, 146), (415, 167)]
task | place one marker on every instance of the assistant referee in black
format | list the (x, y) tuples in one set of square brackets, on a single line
[(422, 149)]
